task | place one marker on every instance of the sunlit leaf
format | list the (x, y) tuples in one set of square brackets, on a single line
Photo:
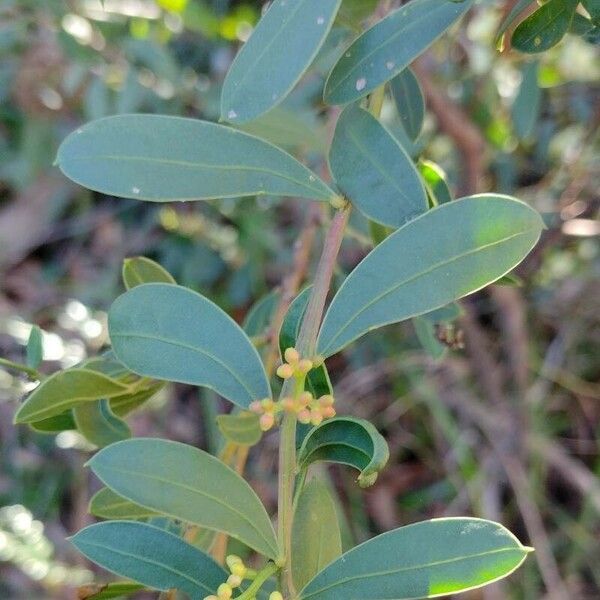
[(99, 424), (106, 504), (139, 269), (410, 102)]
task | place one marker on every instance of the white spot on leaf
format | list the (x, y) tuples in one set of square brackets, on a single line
[(390, 65), (320, 20), (135, 190), (361, 84), (232, 114)]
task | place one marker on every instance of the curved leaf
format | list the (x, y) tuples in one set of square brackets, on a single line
[(271, 62), (316, 538), (106, 504), (259, 316), (172, 333), (108, 591), (161, 159), (35, 348), (386, 49), (62, 422), (242, 429), (441, 256), (545, 27), (150, 556), (425, 560), (350, 441), (435, 182), (187, 484), (525, 110), (64, 390), (139, 269), (410, 102), (374, 171), (98, 423)]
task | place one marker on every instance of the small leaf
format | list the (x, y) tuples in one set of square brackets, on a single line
[(374, 171), (386, 49), (162, 159), (64, 390), (35, 348), (512, 16), (410, 102), (526, 107), (172, 333), (425, 331), (544, 28), (242, 429), (317, 380), (186, 484), (279, 51), (98, 423), (447, 253), (259, 316), (510, 280), (108, 505), (139, 269), (426, 560), (349, 441), (150, 556), (435, 182), (108, 591), (62, 422), (316, 538)]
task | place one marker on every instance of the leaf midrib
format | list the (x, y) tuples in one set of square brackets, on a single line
[(417, 276)]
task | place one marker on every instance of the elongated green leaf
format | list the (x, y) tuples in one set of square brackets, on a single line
[(139, 269), (545, 27), (170, 332), (127, 403), (150, 556), (435, 182), (317, 380), (35, 349), (106, 504), (161, 159), (425, 560), (259, 316), (374, 171), (55, 424), (281, 48), (512, 16), (242, 428), (527, 104), (108, 591), (386, 49), (316, 538), (98, 423), (356, 11), (349, 441), (410, 102), (187, 484), (441, 256), (593, 7), (64, 390)]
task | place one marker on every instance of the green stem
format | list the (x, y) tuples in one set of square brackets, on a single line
[(31, 372), (262, 576)]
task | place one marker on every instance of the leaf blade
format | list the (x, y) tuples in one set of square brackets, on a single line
[(139, 269), (162, 159), (206, 348), (478, 240)]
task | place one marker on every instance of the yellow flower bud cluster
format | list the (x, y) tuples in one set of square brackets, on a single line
[(239, 572), (294, 366)]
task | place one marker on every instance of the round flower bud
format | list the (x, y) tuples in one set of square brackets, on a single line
[(239, 569), (234, 581), (304, 416), (267, 404), (328, 412), (291, 355), (233, 559), (288, 404), (326, 400), (275, 596), (305, 365), (316, 418), (266, 421), (224, 592), (256, 407), (305, 399), (285, 371)]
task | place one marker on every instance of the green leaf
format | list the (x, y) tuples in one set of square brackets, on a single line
[(526, 107), (242, 429), (127, 403), (108, 591), (279, 51), (545, 27), (425, 331), (446, 314), (510, 280), (593, 8), (512, 16), (187, 484), (374, 171), (410, 102), (259, 317), (170, 332), (35, 348), (106, 504), (161, 159), (386, 49), (356, 11), (447, 253), (349, 441), (435, 182), (426, 560), (62, 422), (316, 538), (150, 556), (317, 380), (64, 390), (139, 269), (98, 423)]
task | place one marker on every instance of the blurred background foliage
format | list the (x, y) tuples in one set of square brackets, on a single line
[(506, 428)]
